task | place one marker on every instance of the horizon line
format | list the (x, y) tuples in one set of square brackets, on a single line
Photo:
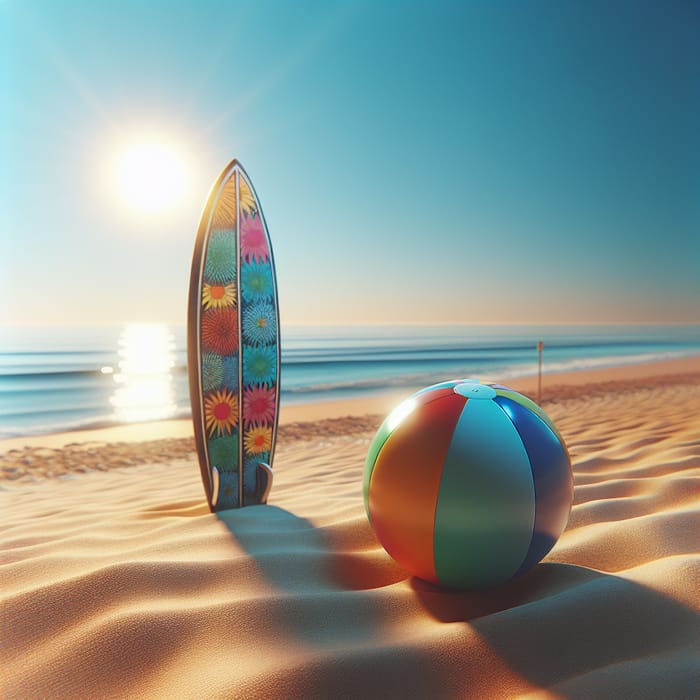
[(368, 324)]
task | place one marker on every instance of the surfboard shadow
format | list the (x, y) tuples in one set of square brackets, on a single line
[(332, 602), (281, 544), (294, 554)]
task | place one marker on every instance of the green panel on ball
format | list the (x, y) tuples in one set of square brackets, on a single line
[(486, 503), (385, 429)]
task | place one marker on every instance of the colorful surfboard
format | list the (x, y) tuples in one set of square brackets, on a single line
[(233, 350)]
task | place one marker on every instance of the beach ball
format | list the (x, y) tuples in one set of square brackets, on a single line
[(467, 484)]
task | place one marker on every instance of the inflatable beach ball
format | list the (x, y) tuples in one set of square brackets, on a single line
[(467, 484)]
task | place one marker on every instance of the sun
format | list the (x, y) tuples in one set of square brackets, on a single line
[(151, 177)]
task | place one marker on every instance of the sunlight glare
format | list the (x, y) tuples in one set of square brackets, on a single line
[(151, 177), (396, 417), (144, 385)]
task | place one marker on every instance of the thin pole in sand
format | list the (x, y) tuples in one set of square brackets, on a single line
[(540, 346)]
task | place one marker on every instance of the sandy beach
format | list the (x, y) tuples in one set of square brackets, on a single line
[(118, 582)]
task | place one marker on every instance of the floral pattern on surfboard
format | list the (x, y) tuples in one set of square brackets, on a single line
[(239, 342)]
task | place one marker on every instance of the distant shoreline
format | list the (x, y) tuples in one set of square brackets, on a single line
[(65, 380), (352, 416)]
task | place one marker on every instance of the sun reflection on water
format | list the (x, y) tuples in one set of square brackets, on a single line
[(144, 388)]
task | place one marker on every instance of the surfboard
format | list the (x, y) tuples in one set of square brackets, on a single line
[(233, 345)]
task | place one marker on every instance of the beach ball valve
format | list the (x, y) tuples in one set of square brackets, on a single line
[(468, 485)]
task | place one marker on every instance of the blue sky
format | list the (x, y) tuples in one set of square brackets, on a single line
[(467, 162)]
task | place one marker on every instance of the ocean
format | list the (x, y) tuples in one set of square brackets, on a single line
[(61, 378)]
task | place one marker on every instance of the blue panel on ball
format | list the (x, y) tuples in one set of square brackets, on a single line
[(551, 471)]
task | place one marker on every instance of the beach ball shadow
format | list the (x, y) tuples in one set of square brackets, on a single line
[(591, 622), (544, 580)]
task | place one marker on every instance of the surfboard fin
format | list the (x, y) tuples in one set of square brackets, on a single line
[(263, 484), (215, 481), (263, 481)]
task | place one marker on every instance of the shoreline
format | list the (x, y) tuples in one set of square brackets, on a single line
[(554, 387), (59, 455)]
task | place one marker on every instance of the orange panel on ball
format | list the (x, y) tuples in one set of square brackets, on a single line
[(406, 479)]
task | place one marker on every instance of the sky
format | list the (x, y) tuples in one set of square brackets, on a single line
[(444, 162)]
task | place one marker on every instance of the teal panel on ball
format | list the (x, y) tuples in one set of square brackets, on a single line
[(486, 503)]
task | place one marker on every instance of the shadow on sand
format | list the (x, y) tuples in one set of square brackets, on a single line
[(562, 622), (557, 623)]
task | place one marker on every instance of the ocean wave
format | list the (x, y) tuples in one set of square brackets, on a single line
[(62, 390), (364, 385)]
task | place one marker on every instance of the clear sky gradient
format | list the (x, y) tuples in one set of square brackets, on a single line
[(442, 162)]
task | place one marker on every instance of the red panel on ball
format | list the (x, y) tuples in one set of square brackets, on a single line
[(406, 480)]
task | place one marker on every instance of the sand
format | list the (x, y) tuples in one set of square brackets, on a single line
[(116, 581)]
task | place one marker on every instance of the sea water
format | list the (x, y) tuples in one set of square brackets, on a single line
[(60, 378)]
